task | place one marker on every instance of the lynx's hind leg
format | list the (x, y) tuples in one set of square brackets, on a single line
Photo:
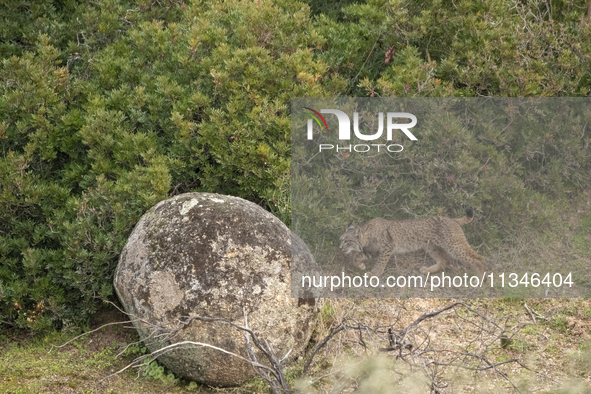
[(462, 252), (441, 259)]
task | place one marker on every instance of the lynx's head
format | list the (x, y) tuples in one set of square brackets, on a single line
[(350, 240)]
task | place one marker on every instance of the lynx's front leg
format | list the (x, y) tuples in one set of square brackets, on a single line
[(383, 259), (358, 261)]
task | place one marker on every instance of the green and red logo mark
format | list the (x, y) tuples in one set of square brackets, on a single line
[(316, 119)]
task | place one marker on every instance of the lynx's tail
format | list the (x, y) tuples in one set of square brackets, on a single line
[(467, 218)]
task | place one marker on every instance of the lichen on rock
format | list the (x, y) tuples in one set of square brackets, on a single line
[(201, 254)]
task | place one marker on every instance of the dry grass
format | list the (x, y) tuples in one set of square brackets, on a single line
[(554, 352), (551, 353)]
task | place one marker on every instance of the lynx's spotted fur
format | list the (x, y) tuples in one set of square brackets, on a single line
[(441, 237)]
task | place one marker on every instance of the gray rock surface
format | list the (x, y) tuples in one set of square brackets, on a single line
[(201, 254)]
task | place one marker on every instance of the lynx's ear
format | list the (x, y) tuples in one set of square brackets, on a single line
[(350, 226)]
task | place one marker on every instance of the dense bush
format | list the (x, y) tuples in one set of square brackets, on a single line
[(461, 48), (21, 22), (108, 107), (202, 104)]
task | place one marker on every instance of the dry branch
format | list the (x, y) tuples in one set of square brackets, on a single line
[(412, 344)]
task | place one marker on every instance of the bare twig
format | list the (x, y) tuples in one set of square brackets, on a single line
[(412, 344), (273, 375), (530, 312), (138, 361), (86, 333), (320, 344)]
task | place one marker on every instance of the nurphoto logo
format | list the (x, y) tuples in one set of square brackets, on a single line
[(345, 130)]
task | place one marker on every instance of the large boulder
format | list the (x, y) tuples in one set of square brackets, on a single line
[(201, 254)]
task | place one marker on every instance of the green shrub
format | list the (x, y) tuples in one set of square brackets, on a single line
[(162, 108), (22, 21), (110, 106), (461, 48)]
